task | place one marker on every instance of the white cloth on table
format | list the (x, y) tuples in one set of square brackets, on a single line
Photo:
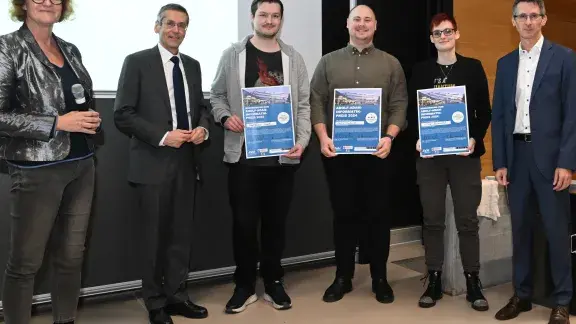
[(489, 203)]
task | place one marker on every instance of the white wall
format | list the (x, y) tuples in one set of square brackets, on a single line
[(302, 28), (106, 31)]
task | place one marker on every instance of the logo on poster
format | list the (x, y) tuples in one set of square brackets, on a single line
[(283, 118), (458, 117), (371, 118)]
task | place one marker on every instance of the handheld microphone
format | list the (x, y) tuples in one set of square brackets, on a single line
[(78, 93)]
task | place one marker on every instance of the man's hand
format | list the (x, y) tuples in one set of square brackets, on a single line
[(419, 149), (79, 122), (383, 148), (471, 146), (197, 135), (295, 152), (235, 124), (177, 137), (502, 176), (562, 179), (327, 147)]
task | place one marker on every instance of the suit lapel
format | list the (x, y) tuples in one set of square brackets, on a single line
[(545, 57), (33, 45), (76, 64), (157, 69), (189, 72), (514, 74)]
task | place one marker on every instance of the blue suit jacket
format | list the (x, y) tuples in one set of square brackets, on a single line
[(552, 110)]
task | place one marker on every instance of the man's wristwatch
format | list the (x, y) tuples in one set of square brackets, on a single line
[(390, 137)]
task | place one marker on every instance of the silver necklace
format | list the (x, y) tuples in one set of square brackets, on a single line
[(446, 74)]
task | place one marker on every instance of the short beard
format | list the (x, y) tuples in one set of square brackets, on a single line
[(260, 34)]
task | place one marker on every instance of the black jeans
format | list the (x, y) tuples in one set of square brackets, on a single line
[(259, 194), (463, 176), (359, 194), (50, 210)]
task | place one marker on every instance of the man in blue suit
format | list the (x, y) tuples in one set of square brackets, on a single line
[(534, 152)]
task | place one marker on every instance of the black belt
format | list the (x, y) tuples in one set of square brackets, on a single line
[(523, 137)]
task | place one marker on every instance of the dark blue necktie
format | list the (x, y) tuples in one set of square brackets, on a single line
[(179, 95)]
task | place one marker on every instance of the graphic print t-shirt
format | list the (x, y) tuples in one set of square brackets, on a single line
[(263, 69), (442, 79)]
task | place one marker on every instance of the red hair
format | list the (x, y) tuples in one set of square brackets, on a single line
[(440, 18)]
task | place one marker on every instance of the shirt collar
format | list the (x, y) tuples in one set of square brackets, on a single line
[(354, 50), (166, 55), (536, 49)]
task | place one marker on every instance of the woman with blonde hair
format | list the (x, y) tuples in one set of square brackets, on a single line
[(46, 129)]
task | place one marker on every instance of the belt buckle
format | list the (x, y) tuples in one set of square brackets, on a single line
[(526, 138)]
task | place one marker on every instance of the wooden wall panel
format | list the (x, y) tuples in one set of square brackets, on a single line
[(562, 10), (561, 25), (487, 34)]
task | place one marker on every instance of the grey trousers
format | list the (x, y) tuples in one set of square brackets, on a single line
[(50, 211), (463, 176)]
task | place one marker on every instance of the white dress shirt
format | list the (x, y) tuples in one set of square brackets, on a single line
[(526, 72), (168, 69)]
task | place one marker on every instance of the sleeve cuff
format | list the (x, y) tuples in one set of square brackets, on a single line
[(206, 132), (53, 132), (398, 122), (223, 120), (163, 138)]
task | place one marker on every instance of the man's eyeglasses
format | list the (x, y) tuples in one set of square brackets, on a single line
[(523, 17), (54, 2), (447, 32), (171, 24)]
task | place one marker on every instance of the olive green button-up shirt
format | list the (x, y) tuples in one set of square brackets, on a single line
[(350, 68)]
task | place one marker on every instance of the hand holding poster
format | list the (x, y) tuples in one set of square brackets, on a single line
[(268, 123), (356, 124), (443, 121)]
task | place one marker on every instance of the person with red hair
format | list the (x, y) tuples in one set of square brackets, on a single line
[(461, 172)]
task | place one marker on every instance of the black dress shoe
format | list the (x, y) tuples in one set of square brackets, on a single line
[(383, 291), (159, 316), (514, 307), (187, 309), (560, 315), (337, 289)]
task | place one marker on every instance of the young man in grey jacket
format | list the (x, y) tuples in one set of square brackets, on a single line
[(260, 189)]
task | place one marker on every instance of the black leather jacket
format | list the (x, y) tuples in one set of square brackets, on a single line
[(31, 96)]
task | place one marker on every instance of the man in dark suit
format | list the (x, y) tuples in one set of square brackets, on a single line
[(159, 106), (534, 152)]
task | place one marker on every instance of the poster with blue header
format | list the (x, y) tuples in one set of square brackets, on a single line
[(443, 121), (356, 126), (268, 121)]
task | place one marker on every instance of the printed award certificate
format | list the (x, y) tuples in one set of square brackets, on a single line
[(356, 126), (443, 121), (268, 122)]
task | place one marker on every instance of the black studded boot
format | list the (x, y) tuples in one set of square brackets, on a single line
[(434, 290), (474, 292)]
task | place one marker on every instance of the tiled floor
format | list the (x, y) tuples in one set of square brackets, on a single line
[(306, 289)]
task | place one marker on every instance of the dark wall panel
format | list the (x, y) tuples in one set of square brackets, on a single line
[(334, 32), (115, 244)]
